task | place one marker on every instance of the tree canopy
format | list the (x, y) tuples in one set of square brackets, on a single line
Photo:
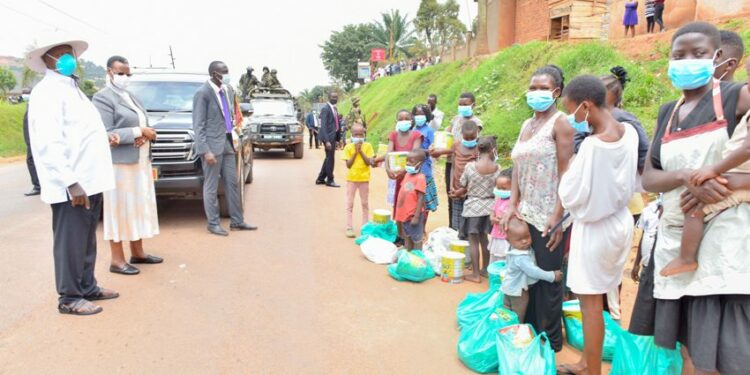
[(438, 24), (344, 49), (393, 32), (7, 82)]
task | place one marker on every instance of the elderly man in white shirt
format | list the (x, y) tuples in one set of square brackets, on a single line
[(71, 151)]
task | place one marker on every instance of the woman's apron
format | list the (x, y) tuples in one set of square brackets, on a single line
[(725, 239)]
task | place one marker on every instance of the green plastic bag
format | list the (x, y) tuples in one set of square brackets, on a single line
[(640, 355), (411, 266), (387, 231), (477, 305), (574, 329), (496, 271), (520, 351), (477, 344)]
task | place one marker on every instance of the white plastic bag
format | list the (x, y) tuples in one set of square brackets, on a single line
[(437, 243), (379, 251)]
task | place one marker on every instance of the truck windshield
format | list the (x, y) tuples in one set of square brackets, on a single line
[(273, 108), (165, 96)]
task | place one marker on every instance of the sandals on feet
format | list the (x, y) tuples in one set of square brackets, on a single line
[(103, 294), (567, 369), (80, 307)]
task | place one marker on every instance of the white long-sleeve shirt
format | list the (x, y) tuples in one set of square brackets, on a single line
[(68, 140)]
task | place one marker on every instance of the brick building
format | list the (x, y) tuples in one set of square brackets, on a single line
[(506, 22)]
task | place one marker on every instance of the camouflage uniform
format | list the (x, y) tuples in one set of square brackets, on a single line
[(265, 80), (355, 115), (248, 82), (275, 84)]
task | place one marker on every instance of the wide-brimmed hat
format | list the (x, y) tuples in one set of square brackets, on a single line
[(34, 58)]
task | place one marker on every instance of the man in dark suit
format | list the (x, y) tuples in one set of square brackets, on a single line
[(328, 134), (213, 108)]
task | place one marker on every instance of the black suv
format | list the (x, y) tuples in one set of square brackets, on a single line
[(168, 98)]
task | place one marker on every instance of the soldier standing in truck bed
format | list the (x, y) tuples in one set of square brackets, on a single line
[(265, 80), (248, 82), (275, 84)]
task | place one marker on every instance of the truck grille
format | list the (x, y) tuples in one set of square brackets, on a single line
[(172, 144), (272, 128)]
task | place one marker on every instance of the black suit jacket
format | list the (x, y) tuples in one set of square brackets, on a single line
[(327, 132)]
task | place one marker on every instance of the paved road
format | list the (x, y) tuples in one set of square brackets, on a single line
[(294, 297)]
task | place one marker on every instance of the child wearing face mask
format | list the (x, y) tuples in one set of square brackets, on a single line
[(410, 203), (422, 116), (463, 153), (359, 156), (477, 184), (498, 238), (404, 139)]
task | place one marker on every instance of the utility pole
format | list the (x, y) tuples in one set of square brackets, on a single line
[(171, 56)]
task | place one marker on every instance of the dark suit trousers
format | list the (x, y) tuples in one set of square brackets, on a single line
[(74, 248), (326, 171), (29, 157)]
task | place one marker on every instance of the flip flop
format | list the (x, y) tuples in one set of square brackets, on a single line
[(78, 308)]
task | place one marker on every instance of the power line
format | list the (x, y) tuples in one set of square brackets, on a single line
[(71, 16), (32, 17)]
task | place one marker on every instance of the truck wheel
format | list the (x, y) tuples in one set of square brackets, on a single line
[(299, 150)]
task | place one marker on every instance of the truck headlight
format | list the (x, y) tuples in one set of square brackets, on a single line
[(295, 128), (253, 128)]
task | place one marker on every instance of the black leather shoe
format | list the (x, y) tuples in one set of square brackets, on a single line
[(318, 182), (33, 192), (333, 185), (126, 269), (242, 226), (149, 259), (217, 230)]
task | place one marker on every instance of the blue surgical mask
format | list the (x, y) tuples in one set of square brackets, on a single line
[(226, 79), (469, 144), (412, 169), (691, 74), (540, 100), (420, 120), (582, 126), (502, 194), (66, 64), (465, 111), (357, 140), (403, 126)]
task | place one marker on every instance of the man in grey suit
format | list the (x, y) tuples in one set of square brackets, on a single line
[(213, 107)]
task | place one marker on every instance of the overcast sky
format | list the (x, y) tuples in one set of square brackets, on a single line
[(282, 34)]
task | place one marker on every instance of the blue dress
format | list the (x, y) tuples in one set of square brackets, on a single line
[(631, 14)]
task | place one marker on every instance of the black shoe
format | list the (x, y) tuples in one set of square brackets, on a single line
[(333, 185), (126, 269), (217, 230), (242, 226), (34, 191), (149, 259), (319, 182)]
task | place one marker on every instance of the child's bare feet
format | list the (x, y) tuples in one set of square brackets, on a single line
[(474, 278), (678, 266)]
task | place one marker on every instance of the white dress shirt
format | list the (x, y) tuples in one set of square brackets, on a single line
[(218, 89), (68, 140)]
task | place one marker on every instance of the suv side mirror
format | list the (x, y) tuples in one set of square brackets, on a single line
[(246, 109)]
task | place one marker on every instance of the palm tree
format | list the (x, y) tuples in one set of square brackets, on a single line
[(393, 33)]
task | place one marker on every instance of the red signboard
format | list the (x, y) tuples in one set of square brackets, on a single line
[(377, 54)]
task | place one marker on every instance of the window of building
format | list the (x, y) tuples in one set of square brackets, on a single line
[(559, 28)]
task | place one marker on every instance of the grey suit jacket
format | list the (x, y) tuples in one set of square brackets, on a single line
[(119, 118), (208, 120)]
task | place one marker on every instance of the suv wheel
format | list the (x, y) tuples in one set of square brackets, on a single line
[(299, 150)]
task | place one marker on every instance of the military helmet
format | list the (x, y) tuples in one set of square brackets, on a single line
[(249, 68), (273, 71)]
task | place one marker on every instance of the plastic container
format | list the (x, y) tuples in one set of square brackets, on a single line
[(381, 216), (443, 140), (397, 160), (452, 267)]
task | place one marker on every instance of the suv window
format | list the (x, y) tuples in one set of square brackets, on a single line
[(165, 96), (262, 107)]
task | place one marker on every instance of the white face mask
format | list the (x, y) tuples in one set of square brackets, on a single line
[(226, 79), (121, 81)]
